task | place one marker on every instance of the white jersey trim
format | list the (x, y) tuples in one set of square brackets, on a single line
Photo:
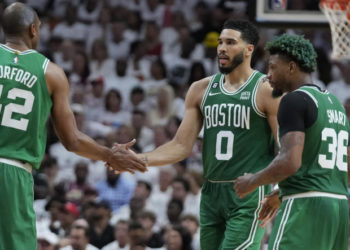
[(16, 163), (226, 92), (309, 94), (255, 91), (314, 194), (206, 92)]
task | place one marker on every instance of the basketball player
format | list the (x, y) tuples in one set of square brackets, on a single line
[(238, 112), (312, 165), (31, 88)]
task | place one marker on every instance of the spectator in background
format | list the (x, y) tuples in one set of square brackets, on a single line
[(113, 114), (49, 168), (341, 88), (177, 238), (118, 46), (160, 136), (97, 169), (138, 65), (99, 29), (79, 239), (172, 126), (64, 56), (94, 100), (46, 240), (89, 12), (138, 100), (197, 72), (76, 189), (101, 232), (134, 24), (164, 108), (137, 203), (191, 223), (192, 201), (51, 222), (148, 219), (152, 39), (174, 210), (152, 10), (143, 134), (69, 212), (158, 78), (122, 82), (137, 235), (181, 188), (210, 54), (116, 190), (161, 193), (121, 241), (100, 63), (70, 27), (80, 71)]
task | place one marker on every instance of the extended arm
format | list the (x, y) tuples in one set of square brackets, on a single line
[(68, 133), (296, 113), (285, 164), (181, 145)]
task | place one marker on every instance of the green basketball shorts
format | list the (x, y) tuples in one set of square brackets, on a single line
[(312, 221), (228, 222), (17, 217)]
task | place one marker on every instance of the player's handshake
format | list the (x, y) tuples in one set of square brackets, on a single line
[(123, 159)]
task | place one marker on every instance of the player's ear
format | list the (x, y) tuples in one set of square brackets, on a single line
[(292, 66), (32, 30), (249, 49)]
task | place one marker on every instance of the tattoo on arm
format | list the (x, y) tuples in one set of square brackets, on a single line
[(144, 158), (287, 162)]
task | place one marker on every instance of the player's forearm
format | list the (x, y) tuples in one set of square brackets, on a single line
[(168, 153), (83, 145), (278, 170)]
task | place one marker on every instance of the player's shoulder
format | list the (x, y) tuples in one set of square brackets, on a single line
[(197, 90), (202, 83), (54, 69)]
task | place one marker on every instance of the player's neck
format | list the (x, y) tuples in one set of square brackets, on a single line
[(300, 80), (17, 44), (238, 76)]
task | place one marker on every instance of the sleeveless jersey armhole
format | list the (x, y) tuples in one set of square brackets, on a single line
[(254, 105), (212, 79)]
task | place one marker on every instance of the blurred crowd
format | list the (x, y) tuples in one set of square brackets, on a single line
[(129, 64)]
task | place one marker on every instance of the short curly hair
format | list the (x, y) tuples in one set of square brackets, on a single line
[(295, 48)]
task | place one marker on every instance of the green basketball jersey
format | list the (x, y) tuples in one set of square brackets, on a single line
[(237, 136), (324, 160), (25, 105)]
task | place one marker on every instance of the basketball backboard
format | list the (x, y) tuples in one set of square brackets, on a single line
[(289, 12)]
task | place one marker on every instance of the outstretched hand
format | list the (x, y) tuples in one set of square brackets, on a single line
[(270, 206), (125, 160), (244, 185)]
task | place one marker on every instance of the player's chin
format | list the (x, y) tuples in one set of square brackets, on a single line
[(276, 92)]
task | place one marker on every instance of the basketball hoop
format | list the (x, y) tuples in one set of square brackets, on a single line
[(338, 15)]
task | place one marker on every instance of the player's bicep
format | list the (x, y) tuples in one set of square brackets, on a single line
[(292, 145), (192, 121), (61, 113), (268, 105)]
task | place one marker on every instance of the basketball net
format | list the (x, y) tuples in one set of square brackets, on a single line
[(338, 15)]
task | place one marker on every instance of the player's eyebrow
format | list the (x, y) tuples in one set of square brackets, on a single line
[(229, 39)]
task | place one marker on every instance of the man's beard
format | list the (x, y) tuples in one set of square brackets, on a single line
[(237, 60), (276, 93)]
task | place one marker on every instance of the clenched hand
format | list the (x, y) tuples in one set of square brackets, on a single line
[(125, 160)]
